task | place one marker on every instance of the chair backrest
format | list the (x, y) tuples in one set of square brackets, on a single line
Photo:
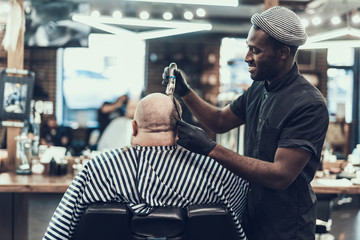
[(112, 221)]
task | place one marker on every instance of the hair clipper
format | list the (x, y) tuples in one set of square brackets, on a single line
[(170, 88)]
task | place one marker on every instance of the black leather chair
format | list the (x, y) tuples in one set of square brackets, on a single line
[(112, 221)]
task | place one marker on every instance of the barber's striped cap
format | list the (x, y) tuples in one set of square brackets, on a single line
[(282, 24)]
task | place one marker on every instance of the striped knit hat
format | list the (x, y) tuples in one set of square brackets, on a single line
[(282, 24)]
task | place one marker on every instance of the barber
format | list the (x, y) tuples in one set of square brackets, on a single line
[(285, 119)]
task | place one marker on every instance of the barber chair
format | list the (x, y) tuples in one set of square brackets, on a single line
[(114, 221)]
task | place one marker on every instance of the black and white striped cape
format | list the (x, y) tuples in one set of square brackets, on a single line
[(145, 177)]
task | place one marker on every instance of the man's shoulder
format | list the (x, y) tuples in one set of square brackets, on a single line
[(306, 90)]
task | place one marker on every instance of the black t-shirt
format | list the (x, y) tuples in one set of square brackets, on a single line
[(287, 113)]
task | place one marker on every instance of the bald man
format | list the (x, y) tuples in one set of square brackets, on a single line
[(152, 172), (154, 121)]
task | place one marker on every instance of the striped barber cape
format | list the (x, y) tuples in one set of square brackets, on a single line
[(147, 177)]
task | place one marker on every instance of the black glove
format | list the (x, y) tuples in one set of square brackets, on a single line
[(181, 86), (194, 138)]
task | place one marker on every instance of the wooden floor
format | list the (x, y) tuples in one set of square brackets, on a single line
[(345, 225)]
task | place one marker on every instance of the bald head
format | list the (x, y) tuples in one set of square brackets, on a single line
[(156, 113)]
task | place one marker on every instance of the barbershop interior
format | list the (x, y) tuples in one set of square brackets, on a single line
[(73, 72)]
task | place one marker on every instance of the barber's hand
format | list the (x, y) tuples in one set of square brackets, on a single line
[(181, 86), (194, 138)]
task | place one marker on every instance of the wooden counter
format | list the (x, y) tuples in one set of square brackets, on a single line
[(12, 182), (320, 188)]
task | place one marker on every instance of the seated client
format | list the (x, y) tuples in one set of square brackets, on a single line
[(152, 172)]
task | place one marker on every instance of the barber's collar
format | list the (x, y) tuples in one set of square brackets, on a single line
[(156, 148)]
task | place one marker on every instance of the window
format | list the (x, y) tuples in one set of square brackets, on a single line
[(340, 93), (234, 74), (340, 83), (346, 59), (234, 80)]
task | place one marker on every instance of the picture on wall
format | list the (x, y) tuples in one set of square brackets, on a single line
[(15, 95)]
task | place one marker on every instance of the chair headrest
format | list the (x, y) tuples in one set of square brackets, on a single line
[(162, 222)]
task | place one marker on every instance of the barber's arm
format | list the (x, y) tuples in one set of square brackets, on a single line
[(214, 118), (278, 175)]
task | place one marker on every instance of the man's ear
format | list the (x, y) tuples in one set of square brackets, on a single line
[(134, 127), (284, 52)]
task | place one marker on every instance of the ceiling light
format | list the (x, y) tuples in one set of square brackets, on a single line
[(305, 22), (355, 18), (200, 12), (343, 32), (188, 15), (144, 15), (227, 3), (316, 21), (331, 44), (139, 22), (167, 16), (27, 8), (108, 24), (92, 22), (117, 14), (95, 13), (336, 20)]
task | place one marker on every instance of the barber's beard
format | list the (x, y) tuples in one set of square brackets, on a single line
[(264, 72), (258, 77)]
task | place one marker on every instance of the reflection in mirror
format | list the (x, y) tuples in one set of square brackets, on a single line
[(109, 68)]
